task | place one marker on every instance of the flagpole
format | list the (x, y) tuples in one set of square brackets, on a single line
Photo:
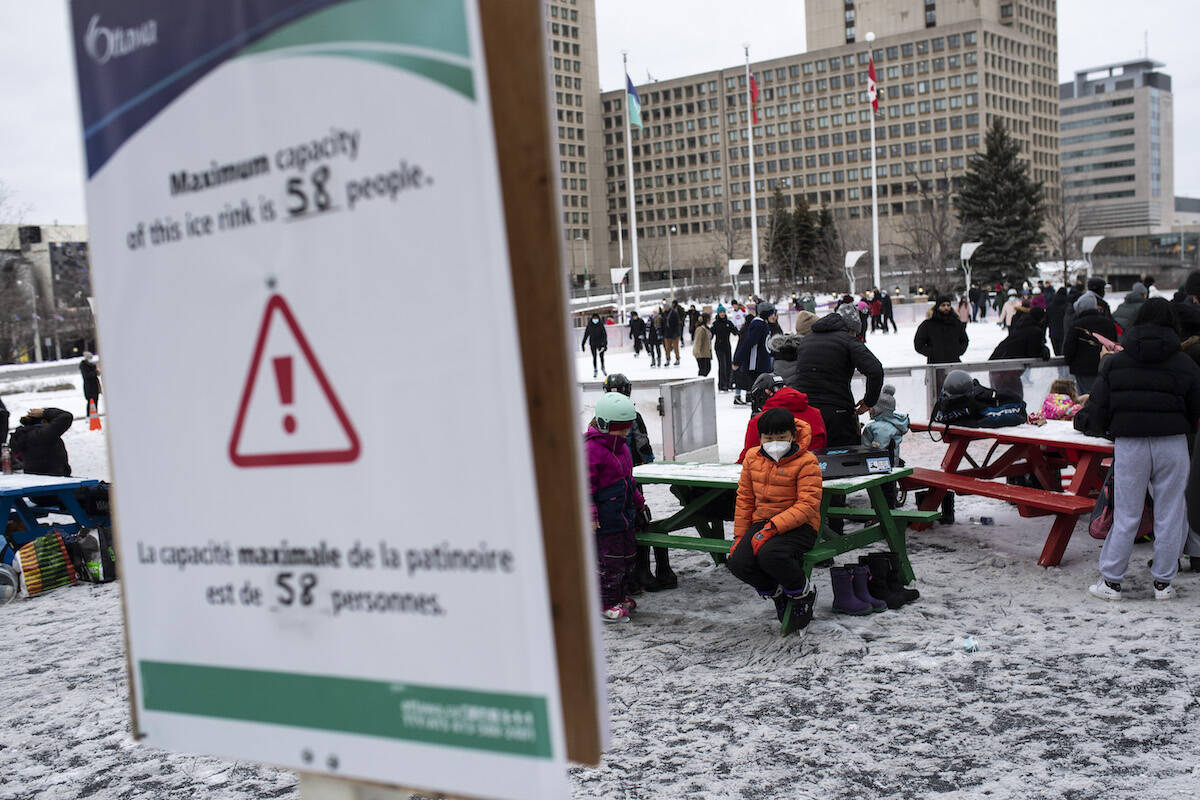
[(753, 194), (620, 244), (637, 278), (874, 180)]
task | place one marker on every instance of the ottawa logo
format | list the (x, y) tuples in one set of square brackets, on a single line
[(103, 43)]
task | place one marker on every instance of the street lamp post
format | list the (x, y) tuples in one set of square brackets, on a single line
[(586, 288), (670, 264)]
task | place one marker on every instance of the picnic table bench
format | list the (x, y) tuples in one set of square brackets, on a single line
[(706, 492), (1040, 452), (28, 498)]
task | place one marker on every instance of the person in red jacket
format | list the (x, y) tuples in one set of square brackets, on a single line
[(770, 392)]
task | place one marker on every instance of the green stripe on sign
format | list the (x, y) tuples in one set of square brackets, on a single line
[(433, 31), (452, 76), (503, 723)]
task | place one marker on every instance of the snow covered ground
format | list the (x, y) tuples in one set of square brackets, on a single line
[(1067, 696)]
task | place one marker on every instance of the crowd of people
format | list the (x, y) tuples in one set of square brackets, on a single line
[(1135, 378)]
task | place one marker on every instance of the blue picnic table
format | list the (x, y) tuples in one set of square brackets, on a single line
[(31, 498)]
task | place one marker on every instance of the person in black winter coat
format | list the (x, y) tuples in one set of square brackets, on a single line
[(942, 338), (1095, 287), (598, 336), (637, 332), (1187, 305), (4, 417), (693, 319), (889, 314), (825, 362), (38, 443), (752, 358), (1147, 397), (672, 332), (91, 382), (722, 329), (654, 339), (1026, 339), (1081, 348), (1056, 311)]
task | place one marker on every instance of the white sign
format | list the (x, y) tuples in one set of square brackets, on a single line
[(331, 547)]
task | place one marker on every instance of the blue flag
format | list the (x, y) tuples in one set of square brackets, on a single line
[(634, 102)]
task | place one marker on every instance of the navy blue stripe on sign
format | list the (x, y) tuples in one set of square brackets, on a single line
[(134, 57)]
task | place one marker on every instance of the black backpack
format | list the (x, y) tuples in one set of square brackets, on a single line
[(980, 407)]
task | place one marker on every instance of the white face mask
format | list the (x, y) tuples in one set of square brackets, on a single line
[(776, 450)]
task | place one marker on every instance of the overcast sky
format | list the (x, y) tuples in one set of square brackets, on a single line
[(41, 160)]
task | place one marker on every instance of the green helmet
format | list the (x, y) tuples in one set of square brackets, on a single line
[(614, 407)]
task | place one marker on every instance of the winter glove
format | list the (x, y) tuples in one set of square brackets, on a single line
[(764, 533), (642, 524)]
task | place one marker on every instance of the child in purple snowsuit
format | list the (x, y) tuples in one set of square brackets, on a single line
[(618, 508)]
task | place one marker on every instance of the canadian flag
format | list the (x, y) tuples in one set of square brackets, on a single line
[(872, 86), (753, 99)]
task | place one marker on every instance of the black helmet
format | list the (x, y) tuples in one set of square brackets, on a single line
[(764, 386), (618, 383)]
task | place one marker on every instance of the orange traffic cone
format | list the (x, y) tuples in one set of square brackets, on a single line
[(93, 417)]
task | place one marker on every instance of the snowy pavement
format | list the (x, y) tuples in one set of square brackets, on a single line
[(1067, 696)]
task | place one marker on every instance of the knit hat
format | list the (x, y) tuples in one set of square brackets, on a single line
[(1096, 285), (1086, 302), (886, 403), (765, 310), (850, 314), (1012, 292), (958, 383), (720, 308), (1139, 289), (804, 322), (1191, 287)]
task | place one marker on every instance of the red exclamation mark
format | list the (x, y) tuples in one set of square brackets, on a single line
[(283, 378)]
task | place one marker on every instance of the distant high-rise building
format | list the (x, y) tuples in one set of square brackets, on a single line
[(944, 75), (1116, 134), (575, 73)]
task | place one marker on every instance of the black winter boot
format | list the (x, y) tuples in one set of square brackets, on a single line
[(880, 584), (662, 566), (643, 579), (948, 509), (894, 580)]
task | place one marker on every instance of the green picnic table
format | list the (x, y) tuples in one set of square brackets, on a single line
[(707, 491)]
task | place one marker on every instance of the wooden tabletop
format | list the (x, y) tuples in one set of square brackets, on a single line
[(1055, 433)]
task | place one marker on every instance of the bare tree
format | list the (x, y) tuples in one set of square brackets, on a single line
[(930, 237), (11, 212), (16, 307), (728, 239), (1064, 233)]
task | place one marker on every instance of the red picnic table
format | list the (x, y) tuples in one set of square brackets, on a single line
[(1041, 452)]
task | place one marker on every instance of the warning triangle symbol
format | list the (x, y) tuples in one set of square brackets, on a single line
[(289, 413)]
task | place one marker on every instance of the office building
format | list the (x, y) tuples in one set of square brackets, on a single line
[(944, 74), (1116, 135), (575, 74)]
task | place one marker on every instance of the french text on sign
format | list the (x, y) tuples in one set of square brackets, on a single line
[(289, 413)]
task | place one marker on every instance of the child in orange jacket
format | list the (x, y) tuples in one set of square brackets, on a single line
[(777, 514)]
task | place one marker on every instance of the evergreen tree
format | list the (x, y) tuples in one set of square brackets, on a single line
[(1000, 205), (804, 232), (780, 238), (828, 257)]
